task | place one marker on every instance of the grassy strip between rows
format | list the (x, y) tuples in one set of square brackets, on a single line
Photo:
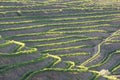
[(50, 21), (65, 15), (41, 4), (62, 24), (48, 10), (44, 33), (33, 73), (97, 54), (104, 60), (66, 48), (67, 42), (52, 39), (4, 68)]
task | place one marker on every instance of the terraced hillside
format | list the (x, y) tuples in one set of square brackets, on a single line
[(59, 40)]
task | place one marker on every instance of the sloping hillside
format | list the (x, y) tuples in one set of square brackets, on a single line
[(59, 40)]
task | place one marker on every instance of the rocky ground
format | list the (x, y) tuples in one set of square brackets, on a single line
[(59, 40)]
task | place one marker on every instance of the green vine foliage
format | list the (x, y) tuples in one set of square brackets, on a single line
[(77, 37)]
